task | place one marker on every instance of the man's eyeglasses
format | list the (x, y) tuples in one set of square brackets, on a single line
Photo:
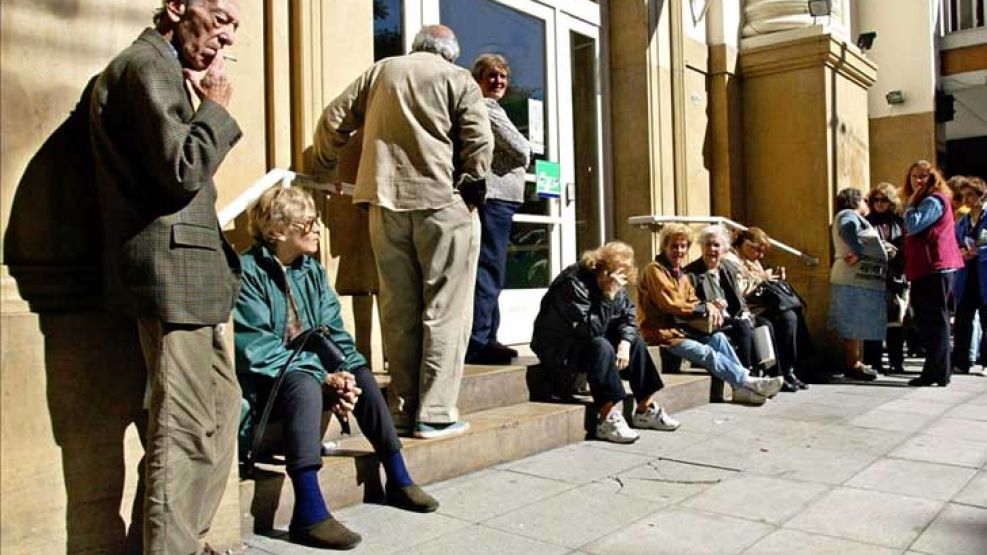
[(308, 226)]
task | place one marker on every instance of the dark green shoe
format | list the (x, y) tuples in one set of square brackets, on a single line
[(328, 534), (412, 498)]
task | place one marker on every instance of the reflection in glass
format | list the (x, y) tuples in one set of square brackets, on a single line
[(585, 133), (529, 256), (483, 26), (388, 35)]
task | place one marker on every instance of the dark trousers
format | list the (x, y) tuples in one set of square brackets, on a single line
[(966, 309), (598, 356), (741, 335), (930, 297), (791, 338), (495, 234), (895, 340), (300, 405)]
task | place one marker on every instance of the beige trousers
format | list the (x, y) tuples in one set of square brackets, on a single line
[(426, 261), (194, 409)]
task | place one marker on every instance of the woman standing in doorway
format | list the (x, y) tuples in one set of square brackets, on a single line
[(505, 193), (931, 260)]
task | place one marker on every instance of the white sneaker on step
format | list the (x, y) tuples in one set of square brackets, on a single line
[(655, 418), (768, 387), (615, 429), (746, 396)]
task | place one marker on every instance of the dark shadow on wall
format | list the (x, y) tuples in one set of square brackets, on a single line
[(94, 369)]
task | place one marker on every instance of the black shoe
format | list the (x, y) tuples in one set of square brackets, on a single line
[(488, 356), (920, 382), (328, 534), (497, 345), (411, 498), (860, 373), (799, 383), (791, 383)]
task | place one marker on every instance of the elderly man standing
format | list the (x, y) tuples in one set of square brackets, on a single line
[(427, 147), (166, 260)]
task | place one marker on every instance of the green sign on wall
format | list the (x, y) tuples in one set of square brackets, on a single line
[(547, 181)]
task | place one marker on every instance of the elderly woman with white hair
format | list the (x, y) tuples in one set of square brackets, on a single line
[(716, 280), (668, 305), (588, 324)]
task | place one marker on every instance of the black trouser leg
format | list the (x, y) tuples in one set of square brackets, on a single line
[(929, 299), (963, 331), (641, 371), (873, 351), (597, 357), (299, 406), (896, 346), (373, 416), (786, 339), (741, 336)]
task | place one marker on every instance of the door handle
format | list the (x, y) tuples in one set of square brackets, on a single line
[(570, 193)]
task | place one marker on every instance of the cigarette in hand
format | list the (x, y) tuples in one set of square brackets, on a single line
[(230, 58)]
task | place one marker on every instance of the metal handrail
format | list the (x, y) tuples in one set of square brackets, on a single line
[(286, 178), (654, 222)]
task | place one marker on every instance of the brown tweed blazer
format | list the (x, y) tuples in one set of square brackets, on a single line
[(155, 155)]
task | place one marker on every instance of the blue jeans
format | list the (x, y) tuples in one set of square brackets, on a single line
[(495, 224), (715, 354)]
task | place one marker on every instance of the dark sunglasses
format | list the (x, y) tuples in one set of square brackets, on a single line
[(875, 200)]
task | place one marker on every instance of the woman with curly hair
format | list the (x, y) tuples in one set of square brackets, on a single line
[(885, 217), (932, 258)]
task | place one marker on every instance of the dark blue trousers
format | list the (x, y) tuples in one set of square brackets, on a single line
[(495, 223)]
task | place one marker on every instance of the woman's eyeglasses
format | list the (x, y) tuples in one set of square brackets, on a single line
[(876, 200), (308, 226)]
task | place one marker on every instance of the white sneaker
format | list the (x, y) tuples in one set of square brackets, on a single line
[(614, 428), (655, 418), (746, 396), (768, 387)]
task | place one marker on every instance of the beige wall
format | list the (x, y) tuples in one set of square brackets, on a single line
[(72, 384), (896, 142)]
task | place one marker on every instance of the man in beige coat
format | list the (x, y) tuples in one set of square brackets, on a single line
[(427, 147)]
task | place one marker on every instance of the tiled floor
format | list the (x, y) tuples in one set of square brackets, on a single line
[(841, 468)]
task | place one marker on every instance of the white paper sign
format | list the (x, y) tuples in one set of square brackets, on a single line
[(536, 125)]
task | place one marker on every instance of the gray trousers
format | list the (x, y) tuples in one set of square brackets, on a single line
[(426, 260), (193, 413)]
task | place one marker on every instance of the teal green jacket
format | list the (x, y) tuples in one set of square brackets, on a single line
[(259, 319)]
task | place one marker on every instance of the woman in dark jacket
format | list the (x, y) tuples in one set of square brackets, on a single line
[(884, 216), (284, 291), (971, 281), (587, 323)]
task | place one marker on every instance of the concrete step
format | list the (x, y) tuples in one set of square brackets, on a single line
[(495, 436)]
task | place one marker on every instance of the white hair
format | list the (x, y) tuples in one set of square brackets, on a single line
[(714, 231), (437, 39)]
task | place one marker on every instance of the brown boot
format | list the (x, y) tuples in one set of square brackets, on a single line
[(328, 534), (411, 498)]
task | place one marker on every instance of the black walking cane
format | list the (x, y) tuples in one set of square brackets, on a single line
[(332, 357)]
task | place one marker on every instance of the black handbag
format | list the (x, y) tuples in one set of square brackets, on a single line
[(776, 296), (315, 340)]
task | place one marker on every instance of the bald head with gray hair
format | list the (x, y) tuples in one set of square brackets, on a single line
[(437, 39)]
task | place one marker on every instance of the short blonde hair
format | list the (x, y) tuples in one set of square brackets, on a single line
[(612, 257), (490, 60), (277, 209), (889, 191), (673, 231)]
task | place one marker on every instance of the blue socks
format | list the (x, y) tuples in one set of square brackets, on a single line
[(310, 507), (397, 472)]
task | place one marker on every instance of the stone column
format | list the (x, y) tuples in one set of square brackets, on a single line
[(805, 120)]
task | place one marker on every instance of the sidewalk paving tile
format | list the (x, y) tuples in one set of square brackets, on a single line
[(480, 540), (948, 395), (856, 440), (576, 464), (975, 492), (969, 411), (726, 452), (770, 500), (821, 412), (575, 517), (656, 443), (963, 429), (892, 420), (867, 516), (945, 450), (482, 495), (389, 530), (958, 530), (813, 465), (666, 482), (920, 479), (787, 542), (918, 406), (979, 399), (677, 531)]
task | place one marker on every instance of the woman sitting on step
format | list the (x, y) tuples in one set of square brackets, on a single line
[(587, 323), (285, 292)]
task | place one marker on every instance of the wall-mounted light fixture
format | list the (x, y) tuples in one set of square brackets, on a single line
[(895, 97), (820, 8), (865, 41)]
